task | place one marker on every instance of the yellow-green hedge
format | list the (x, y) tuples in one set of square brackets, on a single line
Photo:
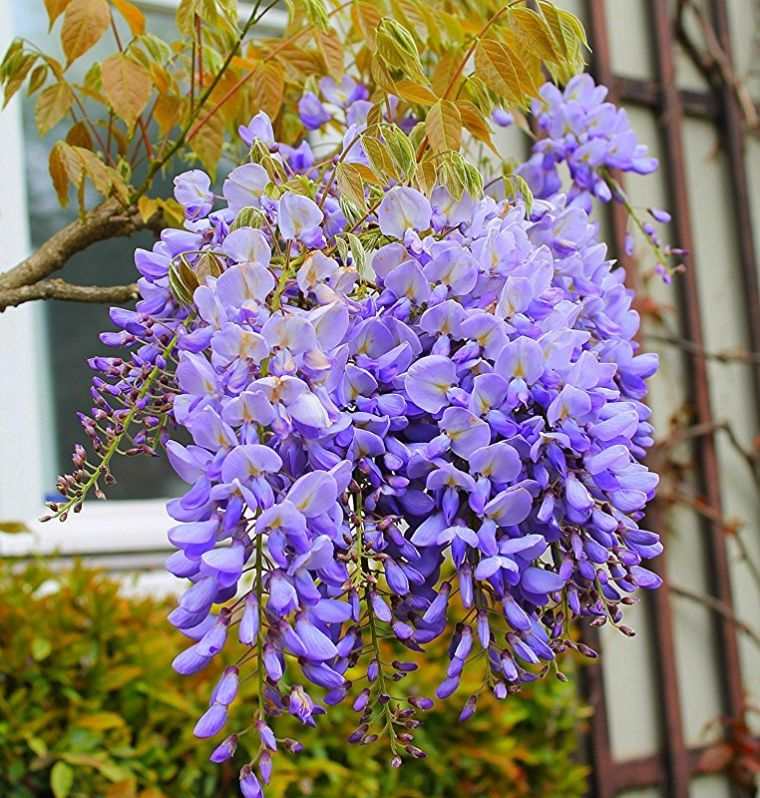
[(90, 707)]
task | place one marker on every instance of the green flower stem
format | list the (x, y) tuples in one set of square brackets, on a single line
[(371, 621), (113, 446), (260, 610)]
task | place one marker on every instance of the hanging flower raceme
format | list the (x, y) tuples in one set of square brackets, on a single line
[(376, 412)]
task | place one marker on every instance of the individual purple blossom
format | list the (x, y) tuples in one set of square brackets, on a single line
[(249, 784), (403, 209), (313, 114), (298, 216), (225, 750), (193, 192), (344, 92), (501, 117), (259, 128)]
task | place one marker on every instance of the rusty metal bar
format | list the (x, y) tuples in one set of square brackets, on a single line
[(598, 748), (638, 774), (688, 289), (734, 143), (601, 63), (674, 758), (599, 744), (647, 93)]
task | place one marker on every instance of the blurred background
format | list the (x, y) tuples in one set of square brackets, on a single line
[(670, 714)]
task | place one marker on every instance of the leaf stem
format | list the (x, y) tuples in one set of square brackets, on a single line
[(252, 72), (156, 166)]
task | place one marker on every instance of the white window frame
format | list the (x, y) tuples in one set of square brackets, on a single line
[(120, 535)]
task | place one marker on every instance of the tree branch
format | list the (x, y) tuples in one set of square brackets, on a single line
[(107, 220), (55, 288)]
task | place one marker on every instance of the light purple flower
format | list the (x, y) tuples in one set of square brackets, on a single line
[(192, 190), (260, 127), (313, 114), (403, 209), (297, 216)]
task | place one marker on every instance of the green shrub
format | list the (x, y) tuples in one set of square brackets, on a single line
[(89, 707)]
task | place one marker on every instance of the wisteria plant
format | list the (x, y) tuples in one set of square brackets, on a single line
[(393, 369)]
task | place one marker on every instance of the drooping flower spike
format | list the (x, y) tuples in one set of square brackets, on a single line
[(468, 422)]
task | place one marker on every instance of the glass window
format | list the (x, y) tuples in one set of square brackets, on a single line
[(72, 328)]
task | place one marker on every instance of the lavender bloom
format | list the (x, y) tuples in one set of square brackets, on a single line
[(344, 92), (298, 216), (403, 209), (260, 127), (249, 784), (193, 192), (313, 114)]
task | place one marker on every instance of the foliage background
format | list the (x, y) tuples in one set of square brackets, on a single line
[(90, 707)]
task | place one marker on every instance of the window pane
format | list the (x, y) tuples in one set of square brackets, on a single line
[(72, 328)]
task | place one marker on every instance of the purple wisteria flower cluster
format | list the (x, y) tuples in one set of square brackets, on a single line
[(466, 423), (593, 138)]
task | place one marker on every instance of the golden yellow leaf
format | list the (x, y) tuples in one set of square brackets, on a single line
[(174, 213), (332, 51), (127, 86), (496, 67), (443, 126), (426, 175), (413, 92), (554, 22), (445, 72), (79, 135), (526, 62), (84, 22), (60, 166), (536, 32), (167, 112), (147, 207), (160, 77), (350, 184), (18, 75), (411, 15), (37, 78), (298, 61), (269, 88), (367, 174), (208, 142), (366, 17), (52, 105), (476, 123), (100, 175), (54, 9), (133, 16)]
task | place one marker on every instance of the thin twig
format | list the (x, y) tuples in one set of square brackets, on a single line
[(722, 356), (251, 73), (157, 165), (716, 605)]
